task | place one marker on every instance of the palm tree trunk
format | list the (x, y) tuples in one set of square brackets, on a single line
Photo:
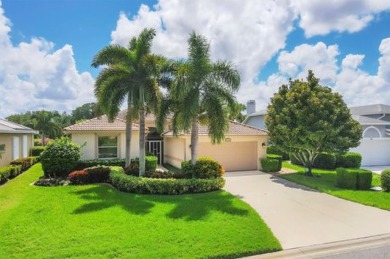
[(194, 140), (129, 124), (142, 141)]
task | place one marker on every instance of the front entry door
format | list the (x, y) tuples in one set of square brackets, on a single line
[(155, 147)]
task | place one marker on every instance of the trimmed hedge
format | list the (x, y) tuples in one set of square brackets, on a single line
[(385, 180), (187, 168), (346, 178), (25, 163), (206, 168), (9, 172), (37, 150), (151, 163), (96, 174), (82, 164), (164, 175), (277, 151), (349, 160), (351, 178), (270, 165), (134, 184), (325, 161)]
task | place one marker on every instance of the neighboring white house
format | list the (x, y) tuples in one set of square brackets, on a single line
[(375, 121), (241, 150), (17, 141), (375, 143)]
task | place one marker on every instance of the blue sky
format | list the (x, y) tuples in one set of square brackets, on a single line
[(47, 46)]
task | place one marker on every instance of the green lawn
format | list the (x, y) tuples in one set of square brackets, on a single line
[(99, 221), (325, 181)]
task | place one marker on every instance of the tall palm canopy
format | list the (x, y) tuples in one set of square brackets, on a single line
[(130, 75), (200, 91), (45, 124)]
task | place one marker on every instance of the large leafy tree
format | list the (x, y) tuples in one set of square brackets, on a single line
[(45, 122), (84, 112), (305, 119), (131, 75), (199, 91)]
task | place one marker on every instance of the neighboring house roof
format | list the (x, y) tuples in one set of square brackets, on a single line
[(148, 117), (364, 120), (100, 124), (255, 114), (12, 127), (235, 128), (370, 109)]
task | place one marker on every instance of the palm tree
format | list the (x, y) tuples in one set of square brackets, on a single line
[(44, 122), (199, 91), (130, 73)]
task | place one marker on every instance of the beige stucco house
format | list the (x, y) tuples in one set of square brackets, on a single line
[(17, 141), (241, 149)]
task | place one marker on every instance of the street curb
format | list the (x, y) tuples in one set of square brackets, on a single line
[(327, 249)]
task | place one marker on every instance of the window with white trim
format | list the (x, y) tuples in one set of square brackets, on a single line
[(107, 147)]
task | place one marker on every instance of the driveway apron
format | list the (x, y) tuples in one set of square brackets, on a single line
[(300, 216)]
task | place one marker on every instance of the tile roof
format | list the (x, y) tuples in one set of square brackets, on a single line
[(148, 117), (235, 128), (12, 127), (100, 124), (370, 109)]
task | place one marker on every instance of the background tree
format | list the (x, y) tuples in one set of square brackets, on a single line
[(44, 122), (200, 91), (305, 119), (130, 73), (84, 112), (236, 112)]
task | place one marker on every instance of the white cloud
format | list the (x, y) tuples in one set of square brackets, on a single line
[(248, 33), (318, 17), (34, 75)]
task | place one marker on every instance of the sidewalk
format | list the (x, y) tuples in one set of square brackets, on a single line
[(300, 217)]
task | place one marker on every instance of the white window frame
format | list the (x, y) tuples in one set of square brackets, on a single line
[(99, 147)]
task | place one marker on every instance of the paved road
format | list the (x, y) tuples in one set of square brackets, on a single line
[(299, 216)]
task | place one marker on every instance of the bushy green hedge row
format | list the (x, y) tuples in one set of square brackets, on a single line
[(82, 164), (37, 150), (9, 172), (352, 178), (150, 165), (349, 160), (331, 161), (133, 184), (385, 180), (277, 151)]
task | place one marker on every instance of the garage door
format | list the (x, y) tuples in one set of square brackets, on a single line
[(374, 151), (233, 156)]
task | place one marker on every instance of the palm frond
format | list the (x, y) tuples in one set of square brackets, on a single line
[(109, 55)]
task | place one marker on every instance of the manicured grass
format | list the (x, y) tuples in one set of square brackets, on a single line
[(99, 221), (325, 181)]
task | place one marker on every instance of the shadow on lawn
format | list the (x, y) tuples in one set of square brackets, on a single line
[(102, 197), (198, 206), (290, 184), (188, 206)]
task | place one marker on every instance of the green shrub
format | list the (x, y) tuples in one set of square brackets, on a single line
[(128, 183), (151, 163), (364, 179), (346, 178), (133, 168), (164, 174), (37, 142), (206, 168), (277, 151), (5, 174), (270, 164), (385, 180), (60, 157), (15, 170), (349, 160), (325, 161), (82, 164), (187, 168), (37, 150)]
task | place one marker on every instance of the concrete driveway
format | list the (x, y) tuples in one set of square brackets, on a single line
[(299, 216)]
